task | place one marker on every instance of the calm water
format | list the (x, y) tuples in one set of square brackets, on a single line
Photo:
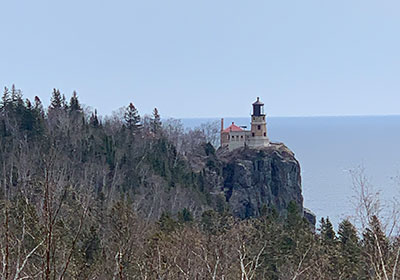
[(328, 147)]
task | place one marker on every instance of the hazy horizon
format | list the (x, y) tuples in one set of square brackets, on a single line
[(207, 58), (327, 148)]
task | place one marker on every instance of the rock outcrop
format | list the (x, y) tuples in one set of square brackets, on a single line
[(244, 181), (255, 179)]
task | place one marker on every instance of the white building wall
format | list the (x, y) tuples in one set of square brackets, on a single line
[(237, 139)]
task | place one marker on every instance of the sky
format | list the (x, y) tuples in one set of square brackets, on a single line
[(207, 58)]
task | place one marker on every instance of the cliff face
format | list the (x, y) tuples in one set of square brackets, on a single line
[(255, 179), (245, 182)]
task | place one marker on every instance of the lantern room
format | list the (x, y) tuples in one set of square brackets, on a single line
[(258, 108)]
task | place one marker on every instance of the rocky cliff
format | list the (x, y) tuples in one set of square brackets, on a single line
[(257, 178), (245, 182), (252, 180)]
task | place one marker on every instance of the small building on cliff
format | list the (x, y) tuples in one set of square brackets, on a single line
[(235, 137)]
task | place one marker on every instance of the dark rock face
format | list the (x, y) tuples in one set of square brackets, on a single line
[(310, 216), (245, 182), (254, 179)]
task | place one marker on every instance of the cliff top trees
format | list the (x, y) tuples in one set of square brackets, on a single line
[(74, 105), (132, 118), (155, 122), (56, 101)]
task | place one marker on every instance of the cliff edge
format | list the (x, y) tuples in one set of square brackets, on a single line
[(245, 182), (255, 179)]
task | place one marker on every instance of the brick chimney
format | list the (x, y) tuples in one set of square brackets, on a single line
[(222, 128)]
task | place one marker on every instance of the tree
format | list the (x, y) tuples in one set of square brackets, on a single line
[(56, 100), (38, 107), (16, 96), (380, 256), (155, 123), (5, 99), (74, 105), (132, 118), (94, 121), (350, 253), (376, 249), (326, 230)]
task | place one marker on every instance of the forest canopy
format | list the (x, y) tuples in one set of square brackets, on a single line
[(68, 180)]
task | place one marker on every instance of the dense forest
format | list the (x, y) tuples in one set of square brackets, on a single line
[(68, 181)]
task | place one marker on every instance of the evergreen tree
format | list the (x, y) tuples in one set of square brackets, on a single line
[(74, 105), (16, 96), (64, 104), (326, 230), (132, 118), (94, 121), (293, 219), (156, 122), (167, 223), (350, 253), (56, 100), (185, 216), (38, 107), (28, 104), (28, 120), (347, 233), (375, 247), (5, 99)]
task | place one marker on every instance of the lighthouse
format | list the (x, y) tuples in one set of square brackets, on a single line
[(235, 136), (258, 137)]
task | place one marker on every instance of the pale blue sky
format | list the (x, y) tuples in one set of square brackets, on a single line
[(207, 58)]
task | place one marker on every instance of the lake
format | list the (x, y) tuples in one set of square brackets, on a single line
[(328, 148)]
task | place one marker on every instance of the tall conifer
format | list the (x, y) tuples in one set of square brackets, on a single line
[(132, 117)]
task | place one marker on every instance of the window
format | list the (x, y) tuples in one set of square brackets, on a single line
[(252, 134), (258, 127), (265, 134)]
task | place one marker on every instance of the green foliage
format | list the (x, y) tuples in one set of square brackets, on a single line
[(155, 123), (327, 232), (90, 175), (350, 250), (185, 216), (56, 101), (294, 221), (132, 118), (167, 224), (209, 149), (74, 105)]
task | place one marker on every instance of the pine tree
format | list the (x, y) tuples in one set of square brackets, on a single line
[(5, 99), (94, 121), (347, 233), (56, 100), (38, 107), (326, 230), (375, 247), (74, 105), (28, 119), (64, 104), (132, 118), (293, 219), (350, 253), (156, 122), (28, 104), (16, 96)]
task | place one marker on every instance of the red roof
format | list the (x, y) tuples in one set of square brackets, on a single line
[(232, 127)]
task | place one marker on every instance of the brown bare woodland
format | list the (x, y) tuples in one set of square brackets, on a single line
[(68, 179)]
